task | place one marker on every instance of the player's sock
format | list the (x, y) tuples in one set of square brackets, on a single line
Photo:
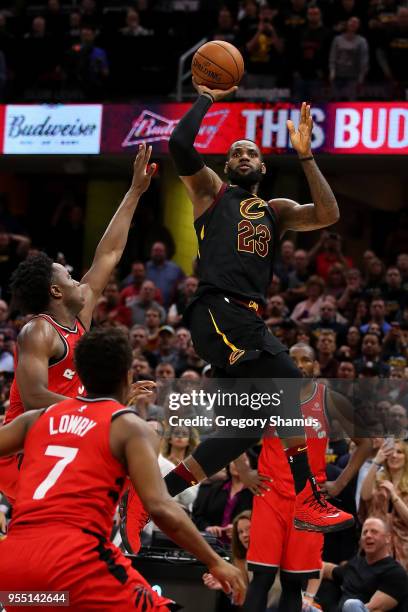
[(179, 479), (291, 597), (299, 465)]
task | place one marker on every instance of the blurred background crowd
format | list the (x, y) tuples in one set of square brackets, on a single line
[(109, 50)]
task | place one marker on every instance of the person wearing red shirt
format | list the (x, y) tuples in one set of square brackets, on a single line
[(327, 252), (77, 455), (62, 309)]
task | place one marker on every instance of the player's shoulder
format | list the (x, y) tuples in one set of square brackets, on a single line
[(34, 328)]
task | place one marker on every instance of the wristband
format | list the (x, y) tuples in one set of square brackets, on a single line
[(309, 595), (303, 159), (207, 93)]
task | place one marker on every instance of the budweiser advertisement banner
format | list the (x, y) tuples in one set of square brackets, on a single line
[(344, 128), (379, 128), (43, 129)]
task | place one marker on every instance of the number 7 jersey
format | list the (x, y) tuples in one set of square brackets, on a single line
[(69, 474), (237, 238)]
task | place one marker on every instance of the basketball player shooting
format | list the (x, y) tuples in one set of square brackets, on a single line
[(238, 234), (62, 307)]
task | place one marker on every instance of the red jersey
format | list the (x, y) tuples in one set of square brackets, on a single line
[(62, 377), (273, 461), (69, 474)]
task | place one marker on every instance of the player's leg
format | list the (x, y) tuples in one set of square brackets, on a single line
[(257, 595), (291, 597)]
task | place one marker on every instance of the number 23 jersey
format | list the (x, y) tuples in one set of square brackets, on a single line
[(237, 238)]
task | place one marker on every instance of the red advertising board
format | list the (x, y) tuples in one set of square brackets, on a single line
[(347, 128)]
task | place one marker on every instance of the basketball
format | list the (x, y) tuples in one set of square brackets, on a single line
[(217, 65)]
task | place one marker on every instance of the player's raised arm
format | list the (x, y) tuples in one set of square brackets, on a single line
[(37, 343), (201, 182), (136, 442), (324, 210), (113, 242), (13, 434)]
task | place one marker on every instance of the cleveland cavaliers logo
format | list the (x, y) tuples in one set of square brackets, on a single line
[(246, 208)]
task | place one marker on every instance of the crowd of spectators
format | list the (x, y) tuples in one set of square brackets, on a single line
[(316, 49), (353, 313)]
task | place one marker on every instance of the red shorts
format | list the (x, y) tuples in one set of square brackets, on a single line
[(274, 541), (95, 573), (9, 474)]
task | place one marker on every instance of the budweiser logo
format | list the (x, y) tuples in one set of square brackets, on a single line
[(151, 127), (19, 126)]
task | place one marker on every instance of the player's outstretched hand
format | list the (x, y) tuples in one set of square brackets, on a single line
[(231, 580), (142, 172), (216, 94), (301, 138)]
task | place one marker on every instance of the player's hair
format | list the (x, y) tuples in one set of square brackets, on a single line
[(103, 358), (303, 345), (30, 284)]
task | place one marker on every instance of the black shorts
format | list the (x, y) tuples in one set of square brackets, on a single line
[(226, 333)]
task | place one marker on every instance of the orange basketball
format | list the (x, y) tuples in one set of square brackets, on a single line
[(218, 65)]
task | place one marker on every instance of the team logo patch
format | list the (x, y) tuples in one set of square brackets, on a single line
[(235, 355), (249, 208)]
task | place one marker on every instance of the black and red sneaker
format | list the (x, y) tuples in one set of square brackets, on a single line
[(314, 513), (133, 519)]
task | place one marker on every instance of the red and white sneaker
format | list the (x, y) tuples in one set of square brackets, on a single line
[(314, 513), (133, 519)]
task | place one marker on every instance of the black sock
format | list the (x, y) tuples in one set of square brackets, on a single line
[(179, 479), (299, 465)]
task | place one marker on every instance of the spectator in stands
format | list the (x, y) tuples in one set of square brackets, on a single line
[(385, 493), (179, 442), (311, 62), (395, 296), (263, 48), (351, 349), (326, 252), (132, 284), (74, 29), (141, 369), (292, 22), (348, 62), (90, 14), (336, 280), (147, 408), (392, 54), (346, 370), (328, 319), (347, 301), (54, 18), (153, 320), (165, 274), (144, 301), (87, 65), (223, 501), (402, 265), (285, 264), (370, 353), (326, 348), (374, 579), (40, 57), (276, 311), (182, 342), (133, 27), (341, 13), (241, 527), (6, 358), (309, 309), (394, 346), (166, 350), (13, 249), (225, 29), (109, 308), (398, 421), (185, 295), (377, 315), (375, 277), (139, 340), (297, 278)]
